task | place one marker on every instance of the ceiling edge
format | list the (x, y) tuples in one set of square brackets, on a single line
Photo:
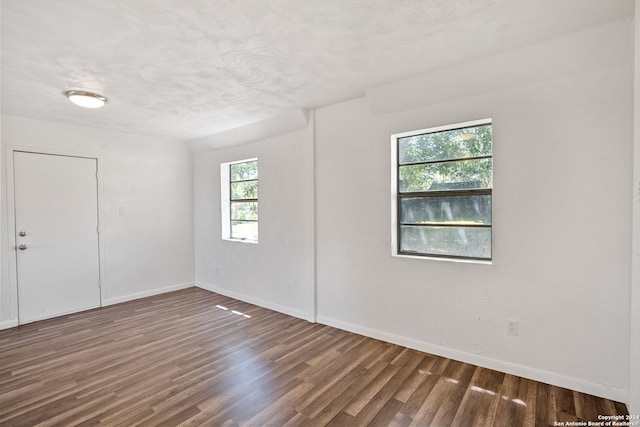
[(287, 122), (598, 48)]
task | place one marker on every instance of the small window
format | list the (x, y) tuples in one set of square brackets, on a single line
[(239, 181), (442, 189)]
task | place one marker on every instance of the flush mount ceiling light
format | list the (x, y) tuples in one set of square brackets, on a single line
[(86, 99)]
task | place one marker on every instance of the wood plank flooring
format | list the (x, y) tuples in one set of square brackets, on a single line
[(194, 358)]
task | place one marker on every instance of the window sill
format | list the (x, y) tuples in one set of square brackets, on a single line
[(229, 239), (433, 258)]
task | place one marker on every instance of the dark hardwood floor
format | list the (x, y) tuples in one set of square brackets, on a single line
[(192, 357)]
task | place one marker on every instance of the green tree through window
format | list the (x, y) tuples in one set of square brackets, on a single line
[(243, 183), (444, 190)]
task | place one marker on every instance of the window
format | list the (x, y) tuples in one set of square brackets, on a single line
[(239, 181), (442, 189)]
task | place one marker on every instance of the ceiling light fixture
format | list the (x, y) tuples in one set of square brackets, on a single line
[(86, 99)]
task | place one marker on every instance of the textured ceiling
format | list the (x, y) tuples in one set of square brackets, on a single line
[(184, 69)]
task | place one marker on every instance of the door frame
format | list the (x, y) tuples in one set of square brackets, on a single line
[(11, 220)]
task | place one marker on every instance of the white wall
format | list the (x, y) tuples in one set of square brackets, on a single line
[(278, 271), (634, 371), (150, 248), (561, 234)]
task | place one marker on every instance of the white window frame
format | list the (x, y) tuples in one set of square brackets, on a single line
[(225, 201), (395, 199)]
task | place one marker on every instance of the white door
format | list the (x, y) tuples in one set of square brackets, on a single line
[(56, 215)]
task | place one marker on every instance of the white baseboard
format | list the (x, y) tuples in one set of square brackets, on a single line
[(255, 301), (617, 394), (613, 393), (13, 323), (8, 324), (130, 297)]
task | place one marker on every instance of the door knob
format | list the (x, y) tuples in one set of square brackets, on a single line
[(22, 247), (22, 233)]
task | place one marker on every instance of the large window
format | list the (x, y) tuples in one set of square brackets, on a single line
[(442, 189), (240, 200)]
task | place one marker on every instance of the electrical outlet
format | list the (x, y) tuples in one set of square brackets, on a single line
[(512, 327)]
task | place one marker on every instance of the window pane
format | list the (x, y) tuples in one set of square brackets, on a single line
[(460, 210), (244, 210), (244, 230), (456, 241), (460, 175), (446, 145), (244, 190), (244, 171)]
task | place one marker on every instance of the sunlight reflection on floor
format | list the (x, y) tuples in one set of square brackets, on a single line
[(239, 313)]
